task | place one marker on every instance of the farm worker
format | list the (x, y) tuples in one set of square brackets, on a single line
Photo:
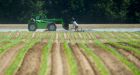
[(75, 24)]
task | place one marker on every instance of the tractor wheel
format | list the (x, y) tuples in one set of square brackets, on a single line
[(32, 27), (51, 27), (66, 26)]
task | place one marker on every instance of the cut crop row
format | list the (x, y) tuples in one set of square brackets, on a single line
[(132, 67), (97, 60), (71, 60), (19, 58), (4, 48)]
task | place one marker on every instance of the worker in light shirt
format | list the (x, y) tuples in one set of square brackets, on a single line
[(75, 25)]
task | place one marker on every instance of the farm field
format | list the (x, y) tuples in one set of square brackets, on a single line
[(82, 27), (85, 26), (69, 53)]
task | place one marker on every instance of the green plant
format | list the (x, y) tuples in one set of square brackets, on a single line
[(71, 60), (44, 58), (45, 55)]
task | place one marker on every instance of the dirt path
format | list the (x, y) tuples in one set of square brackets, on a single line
[(130, 57), (113, 64), (86, 68), (66, 67), (57, 66), (32, 60), (7, 58)]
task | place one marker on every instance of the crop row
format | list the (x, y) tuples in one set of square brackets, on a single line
[(114, 39)]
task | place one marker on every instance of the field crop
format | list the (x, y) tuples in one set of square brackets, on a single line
[(69, 53)]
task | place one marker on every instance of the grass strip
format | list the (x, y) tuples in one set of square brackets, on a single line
[(44, 59), (71, 60)]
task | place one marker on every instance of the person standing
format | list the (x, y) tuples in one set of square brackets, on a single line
[(75, 25)]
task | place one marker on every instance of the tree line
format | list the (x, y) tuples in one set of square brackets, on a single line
[(85, 11)]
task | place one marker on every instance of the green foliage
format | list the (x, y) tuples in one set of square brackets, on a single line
[(95, 11)]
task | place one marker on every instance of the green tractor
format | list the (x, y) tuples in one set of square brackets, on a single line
[(41, 22)]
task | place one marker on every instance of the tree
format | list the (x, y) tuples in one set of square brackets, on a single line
[(86, 11), (133, 15)]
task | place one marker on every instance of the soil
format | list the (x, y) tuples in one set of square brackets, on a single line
[(32, 60), (80, 36), (6, 58), (65, 36), (57, 66), (113, 64), (57, 36), (86, 68)]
